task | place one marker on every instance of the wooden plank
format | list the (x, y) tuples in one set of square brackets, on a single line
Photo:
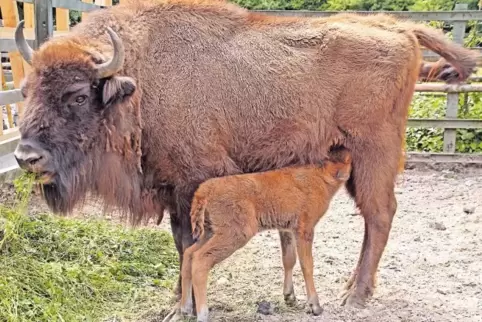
[(458, 33), (448, 16), (9, 12), (28, 15), (446, 123), (62, 19), (105, 3), (84, 14)]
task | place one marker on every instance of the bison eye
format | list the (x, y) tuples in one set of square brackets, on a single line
[(80, 99)]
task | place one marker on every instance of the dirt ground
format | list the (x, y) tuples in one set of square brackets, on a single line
[(431, 269)]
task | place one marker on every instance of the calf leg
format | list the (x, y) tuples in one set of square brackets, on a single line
[(288, 249), (373, 186), (186, 299), (185, 307), (304, 241), (215, 250)]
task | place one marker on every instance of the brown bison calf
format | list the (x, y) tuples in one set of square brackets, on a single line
[(227, 212)]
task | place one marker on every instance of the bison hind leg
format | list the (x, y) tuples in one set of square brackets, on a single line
[(375, 166)]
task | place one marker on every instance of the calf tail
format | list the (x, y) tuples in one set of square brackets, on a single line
[(463, 60), (198, 208)]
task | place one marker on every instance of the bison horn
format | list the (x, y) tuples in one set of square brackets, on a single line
[(23, 47), (115, 64)]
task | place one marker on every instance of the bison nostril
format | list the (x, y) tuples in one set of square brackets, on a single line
[(34, 160)]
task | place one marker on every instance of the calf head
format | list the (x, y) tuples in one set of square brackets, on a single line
[(77, 131), (339, 164)]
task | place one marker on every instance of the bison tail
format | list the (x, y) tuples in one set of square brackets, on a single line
[(462, 59), (198, 209)]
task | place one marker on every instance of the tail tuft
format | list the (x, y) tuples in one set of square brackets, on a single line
[(197, 217), (463, 60)]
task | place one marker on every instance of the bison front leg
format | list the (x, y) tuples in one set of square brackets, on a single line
[(176, 228), (181, 231)]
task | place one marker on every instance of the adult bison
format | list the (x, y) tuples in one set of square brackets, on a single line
[(141, 102)]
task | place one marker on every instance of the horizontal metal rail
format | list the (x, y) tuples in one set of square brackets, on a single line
[(448, 88), (460, 158), (8, 45), (71, 5), (10, 97), (446, 123)]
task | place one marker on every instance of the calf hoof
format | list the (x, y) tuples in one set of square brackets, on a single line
[(290, 299), (203, 316), (313, 306), (314, 309)]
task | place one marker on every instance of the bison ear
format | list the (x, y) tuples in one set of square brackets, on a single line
[(116, 89)]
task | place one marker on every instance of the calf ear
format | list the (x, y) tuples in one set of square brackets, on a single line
[(116, 89), (342, 175)]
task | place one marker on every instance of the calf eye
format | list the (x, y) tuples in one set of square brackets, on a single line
[(80, 99)]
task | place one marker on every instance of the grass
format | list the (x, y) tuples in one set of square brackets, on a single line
[(60, 269)]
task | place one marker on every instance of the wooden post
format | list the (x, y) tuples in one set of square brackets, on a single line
[(10, 19), (44, 21), (458, 33)]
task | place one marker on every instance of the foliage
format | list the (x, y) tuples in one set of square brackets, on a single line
[(58, 269), (430, 139), (369, 5)]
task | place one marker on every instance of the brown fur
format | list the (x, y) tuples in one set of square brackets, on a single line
[(209, 89), (441, 70), (233, 209)]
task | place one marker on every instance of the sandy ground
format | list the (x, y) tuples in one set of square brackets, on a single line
[(431, 269)]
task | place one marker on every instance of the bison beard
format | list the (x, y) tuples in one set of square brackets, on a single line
[(219, 91)]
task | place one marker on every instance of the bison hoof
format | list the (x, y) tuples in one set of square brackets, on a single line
[(178, 292), (352, 298), (175, 315)]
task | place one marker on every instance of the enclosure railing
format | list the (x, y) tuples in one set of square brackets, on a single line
[(41, 10)]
